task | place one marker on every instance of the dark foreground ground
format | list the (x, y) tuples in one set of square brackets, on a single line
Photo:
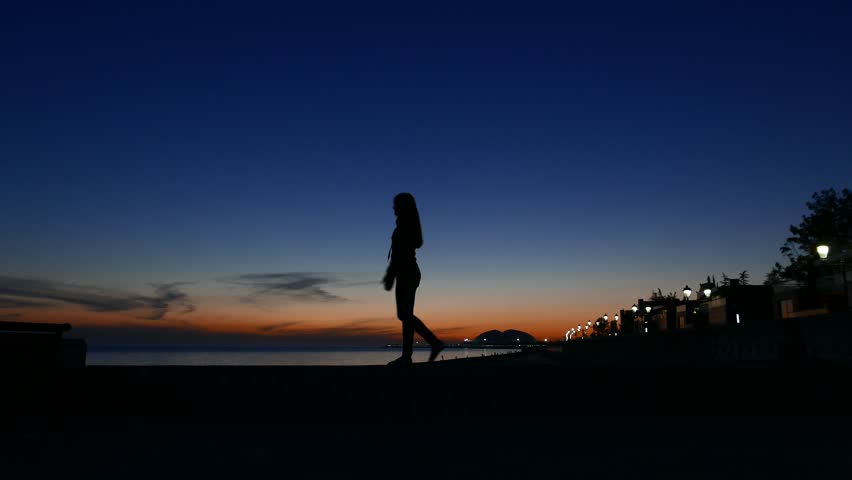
[(522, 416)]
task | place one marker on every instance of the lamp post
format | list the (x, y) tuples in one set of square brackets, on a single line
[(705, 318), (687, 292), (647, 313), (634, 309), (822, 251)]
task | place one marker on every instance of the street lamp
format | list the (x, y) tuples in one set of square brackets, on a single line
[(822, 250), (645, 319), (686, 293), (634, 308), (605, 317), (707, 292)]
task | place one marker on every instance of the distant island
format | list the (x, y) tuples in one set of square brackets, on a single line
[(490, 339)]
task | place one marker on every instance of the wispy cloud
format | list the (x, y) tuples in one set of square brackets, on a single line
[(369, 327), (366, 328), (6, 302), (276, 328), (28, 292), (289, 287), (168, 296)]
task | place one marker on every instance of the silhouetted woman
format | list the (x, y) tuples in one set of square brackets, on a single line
[(403, 269)]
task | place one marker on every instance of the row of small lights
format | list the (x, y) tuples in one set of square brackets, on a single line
[(687, 292), (580, 328), (822, 250)]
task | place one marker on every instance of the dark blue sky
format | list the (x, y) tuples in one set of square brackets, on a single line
[(570, 150)]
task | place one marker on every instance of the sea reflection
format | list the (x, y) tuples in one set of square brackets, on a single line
[(306, 357)]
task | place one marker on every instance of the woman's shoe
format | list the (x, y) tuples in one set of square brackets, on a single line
[(401, 362), (436, 349)]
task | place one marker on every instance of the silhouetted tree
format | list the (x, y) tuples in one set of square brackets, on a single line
[(658, 296), (829, 222), (744, 276), (726, 280), (774, 277), (600, 328)]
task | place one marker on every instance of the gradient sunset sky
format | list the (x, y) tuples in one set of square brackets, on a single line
[(223, 172)]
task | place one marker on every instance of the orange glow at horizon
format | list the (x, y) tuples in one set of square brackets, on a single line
[(451, 325)]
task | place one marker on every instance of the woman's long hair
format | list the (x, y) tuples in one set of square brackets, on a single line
[(408, 217)]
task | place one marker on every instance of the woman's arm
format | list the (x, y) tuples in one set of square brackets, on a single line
[(390, 276), (390, 273)]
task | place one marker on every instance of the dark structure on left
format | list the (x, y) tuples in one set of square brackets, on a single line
[(39, 345)]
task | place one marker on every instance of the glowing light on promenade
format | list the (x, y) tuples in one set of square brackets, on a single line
[(822, 250)]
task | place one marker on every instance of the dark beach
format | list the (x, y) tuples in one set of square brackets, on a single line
[(522, 411)]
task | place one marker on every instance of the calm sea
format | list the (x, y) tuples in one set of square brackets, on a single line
[(315, 356)]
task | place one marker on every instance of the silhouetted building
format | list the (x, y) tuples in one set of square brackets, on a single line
[(628, 324), (663, 316), (793, 301), (735, 304), (825, 297)]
